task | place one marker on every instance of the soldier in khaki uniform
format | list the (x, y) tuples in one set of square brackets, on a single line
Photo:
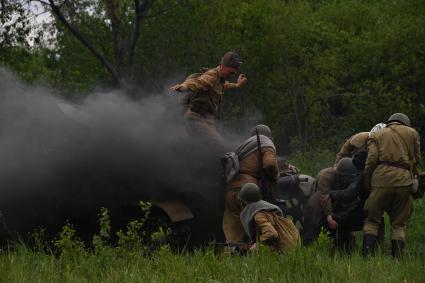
[(249, 172), (206, 91), (353, 145), (393, 153), (336, 205), (264, 221)]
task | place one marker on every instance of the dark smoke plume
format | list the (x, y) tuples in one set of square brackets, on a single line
[(113, 151)]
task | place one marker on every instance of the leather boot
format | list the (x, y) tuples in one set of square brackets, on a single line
[(369, 245), (397, 248)]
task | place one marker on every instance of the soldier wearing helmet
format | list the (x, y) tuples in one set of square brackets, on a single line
[(264, 221), (205, 91), (259, 168), (335, 204), (393, 153)]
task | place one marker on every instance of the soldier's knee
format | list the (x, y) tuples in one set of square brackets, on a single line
[(371, 228)]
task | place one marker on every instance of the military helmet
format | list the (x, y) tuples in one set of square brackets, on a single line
[(262, 130), (231, 59), (345, 167), (250, 192), (401, 118)]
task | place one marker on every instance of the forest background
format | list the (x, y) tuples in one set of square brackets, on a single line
[(319, 71)]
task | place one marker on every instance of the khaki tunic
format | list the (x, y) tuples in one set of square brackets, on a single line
[(353, 145), (211, 83), (249, 173), (271, 233), (386, 145), (390, 185), (324, 184)]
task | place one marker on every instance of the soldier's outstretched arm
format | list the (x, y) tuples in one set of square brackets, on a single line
[(345, 151), (350, 193)]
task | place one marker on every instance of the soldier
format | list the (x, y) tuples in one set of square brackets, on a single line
[(336, 204), (205, 94), (262, 172), (393, 153), (353, 145), (264, 221), (356, 144)]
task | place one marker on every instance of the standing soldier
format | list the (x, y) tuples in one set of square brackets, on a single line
[(256, 167), (393, 153), (204, 94)]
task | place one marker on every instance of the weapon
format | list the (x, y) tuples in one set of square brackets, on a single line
[(264, 186)]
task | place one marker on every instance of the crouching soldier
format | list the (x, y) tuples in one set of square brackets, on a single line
[(263, 221), (336, 205)]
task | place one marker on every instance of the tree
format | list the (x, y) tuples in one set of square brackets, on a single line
[(14, 24), (122, 18)]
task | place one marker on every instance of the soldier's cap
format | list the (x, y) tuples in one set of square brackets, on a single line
[(231, 59)]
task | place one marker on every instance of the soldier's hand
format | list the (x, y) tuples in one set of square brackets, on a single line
[(332, 224), (241, 80), (178, 88)]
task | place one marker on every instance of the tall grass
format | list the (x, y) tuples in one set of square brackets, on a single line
[(72, 262)]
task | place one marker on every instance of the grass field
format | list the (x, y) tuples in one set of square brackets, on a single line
[(313, 264), (71, 262)]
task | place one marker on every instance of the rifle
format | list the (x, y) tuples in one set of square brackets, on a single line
[(264, 186)]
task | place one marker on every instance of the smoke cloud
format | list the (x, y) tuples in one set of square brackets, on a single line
[(60, 162)]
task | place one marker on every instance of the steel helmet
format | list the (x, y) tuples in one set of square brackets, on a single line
[(250, 192), (401, 118)]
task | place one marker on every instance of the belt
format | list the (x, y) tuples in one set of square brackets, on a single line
[(394, 164)]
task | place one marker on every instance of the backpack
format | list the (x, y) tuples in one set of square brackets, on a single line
[(230, 163)]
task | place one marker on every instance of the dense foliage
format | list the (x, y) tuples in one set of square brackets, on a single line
[(318, 71)]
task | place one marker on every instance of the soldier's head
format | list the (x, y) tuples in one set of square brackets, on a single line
[(250, 193), (230, 64), (345, 170), (262, 130), (401, 118)]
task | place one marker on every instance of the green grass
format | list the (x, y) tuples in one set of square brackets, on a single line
[(126, 263), (315, 264), (305, 265)]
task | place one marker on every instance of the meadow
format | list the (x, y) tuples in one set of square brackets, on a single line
[(68, 260)]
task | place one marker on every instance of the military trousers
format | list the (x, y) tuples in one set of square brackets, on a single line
[(232, 226), (397, 202), (203, 128)]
